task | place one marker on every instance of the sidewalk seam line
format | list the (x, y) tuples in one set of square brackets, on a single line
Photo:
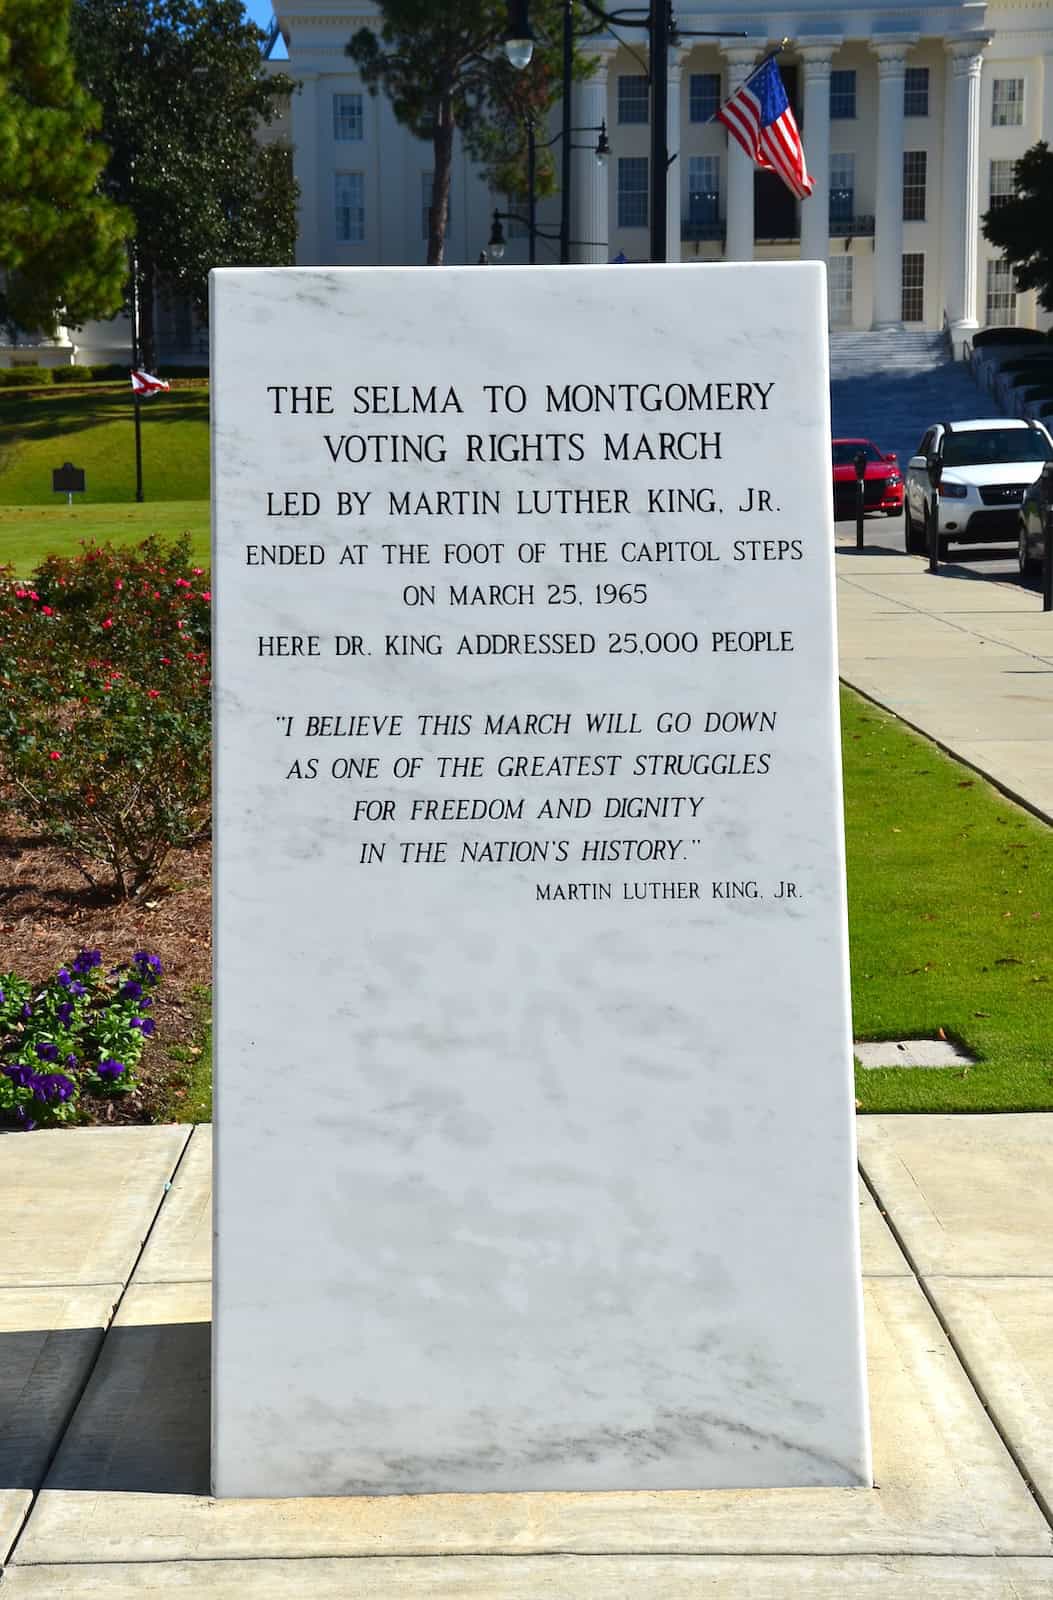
[(544, 1555), (90, 1373), (989, 1410)]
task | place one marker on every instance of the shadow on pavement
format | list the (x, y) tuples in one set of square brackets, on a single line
[(141, 1426)]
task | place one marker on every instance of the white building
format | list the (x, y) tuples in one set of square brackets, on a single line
[(912, 118)]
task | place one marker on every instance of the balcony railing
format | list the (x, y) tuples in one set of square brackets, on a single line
[(851, 227), (702, 230)]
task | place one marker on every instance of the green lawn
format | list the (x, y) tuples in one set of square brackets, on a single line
[(93, 428), (29, 533), (950, 891)]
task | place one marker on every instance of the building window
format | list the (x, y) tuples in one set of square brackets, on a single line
[(1007, 104), (705, 95), (350, 215), (915, 163), (916, 92), (842, 94), (703, 191), (1003, 183), (912, 308), (842, 187), (839, 277), (633, 97), (632, 191), (347, 117), (1001, 295)]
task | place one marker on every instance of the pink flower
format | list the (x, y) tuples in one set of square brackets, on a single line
[(153, 693), (206, 594), (197, 571), (20, 594), (46, 611), (33, 594), (119, 583), (108, 623), (55, 756), (166, 661)]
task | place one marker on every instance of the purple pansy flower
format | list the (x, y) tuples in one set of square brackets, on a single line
[(110, 1069), (21, 1076), (27, 1011), (130, 990), (53, 1087), (87, 960), (64, 1012), (47, 1051), (145, 1025), (62, 976), (77, 990)]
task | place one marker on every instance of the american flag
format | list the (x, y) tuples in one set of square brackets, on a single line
[(758, 115)]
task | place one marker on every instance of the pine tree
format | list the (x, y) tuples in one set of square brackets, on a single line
[(62, 243), (183, 96), (444, 70), (1022, 227)]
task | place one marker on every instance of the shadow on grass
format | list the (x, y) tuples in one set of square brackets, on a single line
[(51, 417)]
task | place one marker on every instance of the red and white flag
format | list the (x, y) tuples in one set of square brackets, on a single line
[(144, 384), (758, 115)]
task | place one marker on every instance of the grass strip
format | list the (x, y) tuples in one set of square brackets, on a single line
[(950, 893), (30, 533)]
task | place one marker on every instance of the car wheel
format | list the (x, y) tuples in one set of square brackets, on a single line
[(913, 536), (1029, 567)]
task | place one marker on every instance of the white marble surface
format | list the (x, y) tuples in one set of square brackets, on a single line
[(518, 1192)]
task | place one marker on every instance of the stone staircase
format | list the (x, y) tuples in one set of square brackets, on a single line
[(889, 387)]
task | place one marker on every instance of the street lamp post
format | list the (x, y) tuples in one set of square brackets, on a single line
[(657, 22), (600, 150)]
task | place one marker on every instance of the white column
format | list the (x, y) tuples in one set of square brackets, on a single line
[(589, 191), (815, 211), (888, 205), (305, 168), (738, 206), (961, 185), (673, 179)]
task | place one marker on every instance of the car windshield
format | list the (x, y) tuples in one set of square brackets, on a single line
[(995, 446), (846, 450)]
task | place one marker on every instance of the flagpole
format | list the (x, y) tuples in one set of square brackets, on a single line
[(136, 401)]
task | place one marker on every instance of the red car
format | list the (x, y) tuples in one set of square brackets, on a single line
[(882, 482)]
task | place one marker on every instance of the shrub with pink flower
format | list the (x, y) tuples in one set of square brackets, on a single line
[(104, 710)]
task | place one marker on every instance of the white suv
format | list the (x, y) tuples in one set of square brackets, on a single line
[(979, 472)]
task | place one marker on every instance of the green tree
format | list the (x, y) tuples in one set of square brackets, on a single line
[(62, 244), (443, 69), (183, 95), (1022, 227)]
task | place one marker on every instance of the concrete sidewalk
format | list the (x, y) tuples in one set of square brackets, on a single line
[(965, 659), (104, 1392)]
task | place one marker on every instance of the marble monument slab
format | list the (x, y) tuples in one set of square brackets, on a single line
[(534, 1116)]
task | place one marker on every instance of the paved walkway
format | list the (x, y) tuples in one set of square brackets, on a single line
[(104, 1308), (966, 660)]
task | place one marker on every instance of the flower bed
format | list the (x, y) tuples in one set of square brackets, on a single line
[(80, 1035)]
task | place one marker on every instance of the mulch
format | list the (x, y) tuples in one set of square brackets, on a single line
[(48, 912)]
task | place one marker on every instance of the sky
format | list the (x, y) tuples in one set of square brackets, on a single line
[(261, 12)]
